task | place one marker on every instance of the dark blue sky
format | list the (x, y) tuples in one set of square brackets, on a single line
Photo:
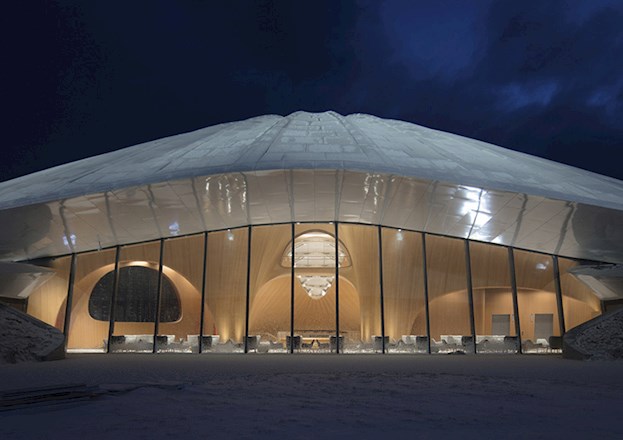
[(81, 78)]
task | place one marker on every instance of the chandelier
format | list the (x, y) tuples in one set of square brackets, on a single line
[(316, 286)]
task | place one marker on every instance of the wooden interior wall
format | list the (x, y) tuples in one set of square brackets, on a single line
[(536, 290), (269, 309), (362, 244), (497, 301), (84, 331), (532, 302), (267, 246), (359, 286), (226, 280), (185, 256), (491, 284), (447, 283), (47, 302), (580, 304), (270, 313), (150, 254), (403, 284), (183, 264)]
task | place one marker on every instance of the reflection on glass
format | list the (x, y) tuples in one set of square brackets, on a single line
[(579, 302), (87, 333), (226, 291), (269, 315), (48, 301), (314, 314), (360, 300), (536, 297), (182, 264), (448, 298), (494, 318), (135, 304), (403, 292)]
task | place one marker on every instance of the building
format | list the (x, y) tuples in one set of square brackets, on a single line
[(226, 239)]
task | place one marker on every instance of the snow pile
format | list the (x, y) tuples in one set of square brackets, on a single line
[(24, 338), (600, 338)]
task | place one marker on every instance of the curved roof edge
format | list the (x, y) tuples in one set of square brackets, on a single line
[(302, 140)]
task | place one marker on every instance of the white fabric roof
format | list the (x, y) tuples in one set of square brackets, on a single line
[(317, 141), (313, 167)]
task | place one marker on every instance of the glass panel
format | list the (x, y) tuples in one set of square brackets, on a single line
[(135, 304), (579, 302), (47, 302), (269, 310), (314, 289), (360, 298), (226, 291), (182, 264), (87, 334), (447, 293), (403, 292), (536, 297), (494, 318)]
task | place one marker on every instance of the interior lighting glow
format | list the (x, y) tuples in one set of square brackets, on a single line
[(316, 286)]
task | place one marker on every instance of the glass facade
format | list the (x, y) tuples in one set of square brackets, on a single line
[(225, 291), (134, 331), (270, 297), (360, 290), (404, 297), (182, 264), (536, 296), (450, 327), (494, 315), (313, 288), (579, 302), (87, 334), (48, 302)]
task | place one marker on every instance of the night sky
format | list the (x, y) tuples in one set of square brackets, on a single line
[(81, 78)]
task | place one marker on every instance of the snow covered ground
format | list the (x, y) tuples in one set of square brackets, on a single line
[(320, 396)]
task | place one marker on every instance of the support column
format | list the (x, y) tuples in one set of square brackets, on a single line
[(511, 266), (292, 234), (561, 315), (383, 348), (470, 292), (158, 288), (203, 291), (70, 295), (113, 298), (337, 290), (246, 314), (425, 272)]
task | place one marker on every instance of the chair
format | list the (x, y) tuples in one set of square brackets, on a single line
[(253, 342), (116, 341), (421, 343), (378, 342), (293, 343), (511, 343), (333, 343), (467, 342), (209, 341)]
